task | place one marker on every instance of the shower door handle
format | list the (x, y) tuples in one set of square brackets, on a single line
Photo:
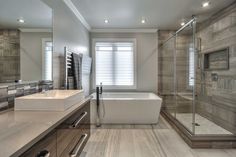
[(76, 123)]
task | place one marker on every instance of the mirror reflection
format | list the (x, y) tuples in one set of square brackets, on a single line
[(25, 41)]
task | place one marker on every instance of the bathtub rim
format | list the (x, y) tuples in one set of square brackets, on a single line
[(153, 96)]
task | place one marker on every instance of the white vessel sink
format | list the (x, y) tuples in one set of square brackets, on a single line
[(53, 100)]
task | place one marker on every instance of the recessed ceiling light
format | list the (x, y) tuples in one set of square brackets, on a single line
[(21, 20), (106, 21), (143, 21), (205, 4), (182, 23)]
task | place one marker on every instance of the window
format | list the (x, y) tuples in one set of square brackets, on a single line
[(47, 59), (191, 74), (115, 64)]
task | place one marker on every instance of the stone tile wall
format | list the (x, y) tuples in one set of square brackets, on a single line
[(9, 55), (217, 98)]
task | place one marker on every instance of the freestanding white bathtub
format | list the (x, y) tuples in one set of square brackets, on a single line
[(126, 108)]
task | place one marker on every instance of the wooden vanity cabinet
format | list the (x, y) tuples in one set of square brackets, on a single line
[(73, 133), (67, 140), (46, 147)]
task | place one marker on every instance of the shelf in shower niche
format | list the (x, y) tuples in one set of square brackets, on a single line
[(217, 60)]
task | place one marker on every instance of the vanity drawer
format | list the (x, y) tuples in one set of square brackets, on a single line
[(73, 134), (79, 120), (44, 148), (76, 145)]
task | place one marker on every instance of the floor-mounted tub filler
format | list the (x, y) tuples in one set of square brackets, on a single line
[(126, 108)]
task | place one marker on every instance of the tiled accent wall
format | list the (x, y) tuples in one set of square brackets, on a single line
[(217, 98), (9, 55), (9, 92)]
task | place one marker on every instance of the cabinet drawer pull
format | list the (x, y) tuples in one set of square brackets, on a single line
[(43, 153), (76, 123), (76, 149)]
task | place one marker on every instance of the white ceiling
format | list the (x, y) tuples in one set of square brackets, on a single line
[(35, 13), (161, 14)]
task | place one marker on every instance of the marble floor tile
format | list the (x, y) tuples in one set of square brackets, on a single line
[(162, 124), (231, 152), (122, 126), (172, 144), (123, 143), (141, 141)]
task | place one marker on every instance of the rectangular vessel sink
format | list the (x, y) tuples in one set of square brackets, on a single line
[(53, 100)]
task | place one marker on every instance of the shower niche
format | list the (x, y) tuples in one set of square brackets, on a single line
[(217, 60)]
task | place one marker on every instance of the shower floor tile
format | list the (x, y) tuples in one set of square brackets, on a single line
[(205, 126)]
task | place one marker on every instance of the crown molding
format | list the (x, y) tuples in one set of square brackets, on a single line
[(73, 8), (36, 30), (124, 30)]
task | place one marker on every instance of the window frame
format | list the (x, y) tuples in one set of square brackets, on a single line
[(113, 87)]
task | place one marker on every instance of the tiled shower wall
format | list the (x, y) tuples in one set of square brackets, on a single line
[(166, 70), (217, 99), (165, 63), (9, 55), (166, 87)]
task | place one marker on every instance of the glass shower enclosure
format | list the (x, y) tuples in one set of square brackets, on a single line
[(181, 74)]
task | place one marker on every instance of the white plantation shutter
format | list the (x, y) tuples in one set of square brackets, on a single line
[(114, 63), (47, 60)]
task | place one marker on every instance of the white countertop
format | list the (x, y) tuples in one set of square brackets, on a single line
[(19, 130)]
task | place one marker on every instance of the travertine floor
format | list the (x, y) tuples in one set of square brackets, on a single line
[(205, 126), (144, 141)]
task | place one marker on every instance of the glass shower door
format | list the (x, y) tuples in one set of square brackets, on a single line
[(185, 78), (166, 57)]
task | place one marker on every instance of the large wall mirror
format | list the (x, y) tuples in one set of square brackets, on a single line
[(25, 41)]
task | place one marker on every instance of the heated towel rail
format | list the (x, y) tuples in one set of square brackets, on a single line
[(68, 64), (68, 61)]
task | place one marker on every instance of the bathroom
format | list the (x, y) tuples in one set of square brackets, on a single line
[(154, 78)]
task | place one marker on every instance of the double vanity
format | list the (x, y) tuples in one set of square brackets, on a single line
[(54, 123)]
